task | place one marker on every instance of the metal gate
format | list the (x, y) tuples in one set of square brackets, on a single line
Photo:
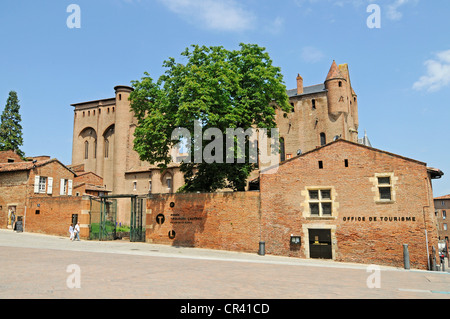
[(103, 217), (320, 243), (137, 221), (103, 214)]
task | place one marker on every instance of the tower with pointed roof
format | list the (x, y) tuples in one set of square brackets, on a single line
[(320, 113)]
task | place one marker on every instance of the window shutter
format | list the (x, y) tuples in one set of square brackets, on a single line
[(36, 184), (69, 188), (50, 185), (61, 187)]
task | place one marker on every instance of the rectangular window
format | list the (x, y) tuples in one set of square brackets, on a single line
[(320, 203), (314, 194), (444, 226), (65, 187), (385, 188), (42, 184), (444, 214), (134, 185), (326, 209), (385, 193), (314, 207)]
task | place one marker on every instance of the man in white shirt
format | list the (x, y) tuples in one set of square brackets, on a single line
[(77, 231)]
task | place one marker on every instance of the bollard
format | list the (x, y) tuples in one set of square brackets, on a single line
[(262, 248), (406, 257)]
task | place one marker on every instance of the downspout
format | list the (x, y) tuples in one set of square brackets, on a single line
[(425, 221)]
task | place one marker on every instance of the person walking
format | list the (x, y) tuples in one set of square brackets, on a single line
[(71, 231), (77, 231), (13, 219)]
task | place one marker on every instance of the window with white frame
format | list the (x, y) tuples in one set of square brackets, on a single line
[(42, 184), (320, 202), (65, 187)]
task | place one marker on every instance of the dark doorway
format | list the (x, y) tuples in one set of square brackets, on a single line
[(320, 243), (74, 219)]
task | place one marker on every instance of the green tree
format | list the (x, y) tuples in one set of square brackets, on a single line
[(217, 88), (10, 128)]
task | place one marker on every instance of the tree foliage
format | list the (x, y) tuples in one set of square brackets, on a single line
[(217, 88), (10, 127)]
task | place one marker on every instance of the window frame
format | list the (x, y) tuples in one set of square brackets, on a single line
[(320, 201), (42, 184), (379, 184)]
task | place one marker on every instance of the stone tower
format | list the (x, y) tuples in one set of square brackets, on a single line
[(320, 113)]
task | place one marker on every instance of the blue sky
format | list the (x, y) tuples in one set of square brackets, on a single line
[(400, 71)]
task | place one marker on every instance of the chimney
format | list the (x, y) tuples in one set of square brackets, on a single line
[(299, 85)]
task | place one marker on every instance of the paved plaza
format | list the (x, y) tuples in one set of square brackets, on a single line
[(42, 266)]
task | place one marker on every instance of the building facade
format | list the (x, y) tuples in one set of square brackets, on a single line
[(343, 201), (442, 211), (349, 202), (21, 181), (103, 134)]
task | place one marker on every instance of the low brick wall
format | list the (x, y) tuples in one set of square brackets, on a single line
[(53, 215), (225, 221)]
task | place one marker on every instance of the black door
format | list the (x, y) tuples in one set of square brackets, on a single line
[(320, 243), (74, 219)]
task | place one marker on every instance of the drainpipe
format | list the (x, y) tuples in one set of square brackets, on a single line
[(262, 244), (426, 236)]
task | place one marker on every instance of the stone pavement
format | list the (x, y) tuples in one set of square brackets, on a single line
[(42, 266)]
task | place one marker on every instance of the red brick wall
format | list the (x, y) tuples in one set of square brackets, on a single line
[(53, 169), (283, 197), (17, 188), (227, 221), (55, 214), (5, 155), (89, 178), (13, 188)]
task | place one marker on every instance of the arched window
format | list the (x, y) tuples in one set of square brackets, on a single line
[(86, 150), (323, 139), (108, 138), (167, 182)]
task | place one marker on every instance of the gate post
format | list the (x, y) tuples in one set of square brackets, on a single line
[(406, 256)]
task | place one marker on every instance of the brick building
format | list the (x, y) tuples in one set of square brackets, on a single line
[(9, 156), (343, 201), (442, 210), (20, 181), (350, 202), (103, 134), (41, 193)]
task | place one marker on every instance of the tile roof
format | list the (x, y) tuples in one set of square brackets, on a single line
[(307, 90), (443, 197), (21, 166), (25, 166)]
